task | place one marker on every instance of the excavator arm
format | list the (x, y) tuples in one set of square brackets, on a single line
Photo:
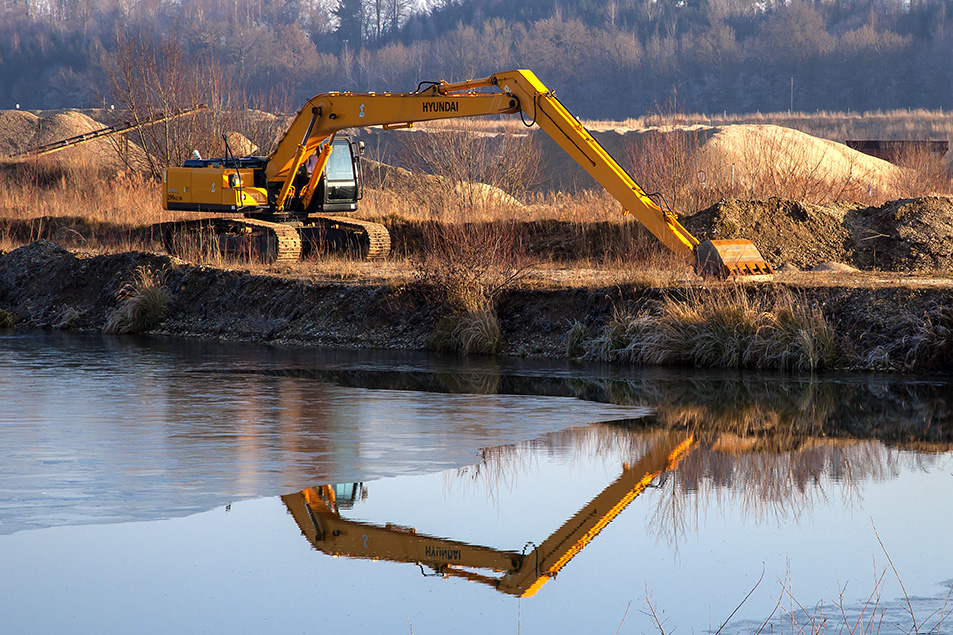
[(522, 574), (512, 92)]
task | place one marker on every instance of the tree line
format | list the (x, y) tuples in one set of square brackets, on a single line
[(605, 58)]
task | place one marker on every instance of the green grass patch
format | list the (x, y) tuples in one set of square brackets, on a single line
[(7, 320)]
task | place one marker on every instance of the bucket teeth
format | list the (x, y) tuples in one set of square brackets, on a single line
[(730, 258)]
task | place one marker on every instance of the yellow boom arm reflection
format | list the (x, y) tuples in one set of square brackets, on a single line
[(316, 512)]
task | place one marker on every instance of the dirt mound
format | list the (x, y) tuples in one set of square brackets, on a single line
[(913, 235), (784, 231), (17, 129), (909, 235)]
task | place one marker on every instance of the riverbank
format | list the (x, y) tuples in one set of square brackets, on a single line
[(880, 321)]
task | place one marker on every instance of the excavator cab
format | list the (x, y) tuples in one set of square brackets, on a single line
[(340, 187)]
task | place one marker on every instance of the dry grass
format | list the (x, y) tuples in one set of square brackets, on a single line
[(922, 342), (106, 204), (143, 303), (477, 332), (723, 327), (7, 320)]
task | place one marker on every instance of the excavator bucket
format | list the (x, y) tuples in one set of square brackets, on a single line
[(730, 258)]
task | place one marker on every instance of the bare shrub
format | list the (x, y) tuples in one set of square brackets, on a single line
[(150, 76), (664, 163), (465, 174), (467, 268), (143, 303), (923, 174), (470, 265)]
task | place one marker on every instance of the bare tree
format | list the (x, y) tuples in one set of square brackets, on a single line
[(470, 174), (664, 160), (149, 77)]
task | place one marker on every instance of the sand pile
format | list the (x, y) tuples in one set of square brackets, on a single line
[(746, 155), (21, 131), (63, 125), (768, 153), (240, 145), (379, 175), (17, 129)]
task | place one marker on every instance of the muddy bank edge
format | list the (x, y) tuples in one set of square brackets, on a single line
[(45, 286)]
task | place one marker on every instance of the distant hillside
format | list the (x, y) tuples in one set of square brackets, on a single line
[(605, 58)]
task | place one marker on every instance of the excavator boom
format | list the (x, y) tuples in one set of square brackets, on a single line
[(513, 91), (317, 516), (281, 187)]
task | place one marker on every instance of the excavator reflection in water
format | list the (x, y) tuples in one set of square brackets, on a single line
[(316, 510)]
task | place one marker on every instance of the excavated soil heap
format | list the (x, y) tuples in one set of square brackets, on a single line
[(784, 231), (909, 235), (912, 235)]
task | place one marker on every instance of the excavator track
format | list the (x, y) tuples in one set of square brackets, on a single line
[(371, 241), (273, 243)]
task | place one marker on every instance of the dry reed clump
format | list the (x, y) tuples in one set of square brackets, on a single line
[(922, 343), (576, 339), (466, 269), (143, 303), (723, 327), (470, 333)]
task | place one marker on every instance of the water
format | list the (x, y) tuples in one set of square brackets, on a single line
[(157, 485)]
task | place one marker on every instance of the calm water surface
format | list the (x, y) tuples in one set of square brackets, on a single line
[(155, 485)]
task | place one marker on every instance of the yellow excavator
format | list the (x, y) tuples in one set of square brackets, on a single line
[(290, 200), (316, 510)]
